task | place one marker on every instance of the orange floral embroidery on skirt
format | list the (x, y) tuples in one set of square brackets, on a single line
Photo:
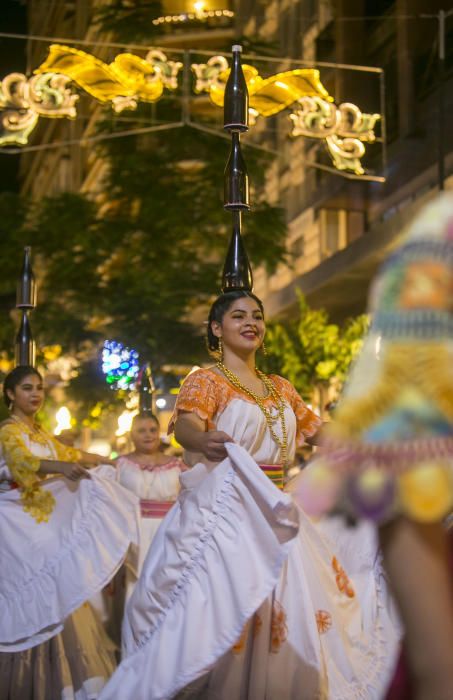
[(257, 623), (279, 628), (323, 620), (239, 647), (343, 583)]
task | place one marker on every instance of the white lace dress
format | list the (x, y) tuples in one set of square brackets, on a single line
[(242, 596)]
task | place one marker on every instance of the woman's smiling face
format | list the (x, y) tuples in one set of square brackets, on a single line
[(242, 327), (145, 435)]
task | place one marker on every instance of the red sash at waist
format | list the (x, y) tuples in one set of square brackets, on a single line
[(154, 509), (274, 472), (7, 485)]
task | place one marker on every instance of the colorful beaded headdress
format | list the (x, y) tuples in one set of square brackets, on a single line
[(390, 446)]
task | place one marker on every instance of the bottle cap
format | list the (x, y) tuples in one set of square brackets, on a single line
[(236, 47)]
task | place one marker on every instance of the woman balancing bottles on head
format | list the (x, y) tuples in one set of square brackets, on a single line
[(64, 532), (241, 595), (388, 455), (154, 478)]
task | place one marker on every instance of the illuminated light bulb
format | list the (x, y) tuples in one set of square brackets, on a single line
[(124, 422), (377, 346), (63, 418), (161, 403), (199, 6)]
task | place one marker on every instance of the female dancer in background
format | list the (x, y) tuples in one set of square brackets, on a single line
[(64, 533), (154, 478), (241, 595)]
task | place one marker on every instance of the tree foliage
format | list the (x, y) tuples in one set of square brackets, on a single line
[(129, 21), (311, 351), (137, 263), (139, 260)]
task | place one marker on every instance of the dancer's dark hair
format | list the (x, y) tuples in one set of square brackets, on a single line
[(143, 415)]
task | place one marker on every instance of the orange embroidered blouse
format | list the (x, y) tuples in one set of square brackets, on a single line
[(206, 393)]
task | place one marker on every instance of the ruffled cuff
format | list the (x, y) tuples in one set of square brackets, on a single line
[(189, 407)]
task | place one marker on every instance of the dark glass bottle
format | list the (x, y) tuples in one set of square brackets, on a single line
[(25, 345), (145, 391), (236, 98), (236, 179), (26, 285), (237, 273)]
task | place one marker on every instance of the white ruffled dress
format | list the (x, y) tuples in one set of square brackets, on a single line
[(50, 642), (157, 487), (242, 596)]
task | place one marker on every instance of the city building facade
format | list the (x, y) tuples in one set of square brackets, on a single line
[(339, 229)]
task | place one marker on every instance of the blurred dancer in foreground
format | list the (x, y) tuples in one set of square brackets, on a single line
[(388, 454)]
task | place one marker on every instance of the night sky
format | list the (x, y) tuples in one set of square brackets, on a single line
[(12, 59)]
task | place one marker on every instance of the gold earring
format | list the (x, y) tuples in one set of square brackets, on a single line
[(220, 350), (263, 348)]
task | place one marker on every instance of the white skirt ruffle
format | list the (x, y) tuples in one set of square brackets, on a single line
[(235, 601), (49, 569)]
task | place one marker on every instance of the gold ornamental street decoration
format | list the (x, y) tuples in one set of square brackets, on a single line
[(126, 81), (345, 129), (23, 100), (267, 96), (53, 92)]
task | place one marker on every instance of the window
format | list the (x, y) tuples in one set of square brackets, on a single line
[(325, 44), (330, 232), (297, 247), (356, 225)]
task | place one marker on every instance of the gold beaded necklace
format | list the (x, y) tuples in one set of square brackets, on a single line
[(279, 402)]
